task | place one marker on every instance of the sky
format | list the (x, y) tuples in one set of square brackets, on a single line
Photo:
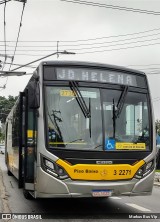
[(121, 36)]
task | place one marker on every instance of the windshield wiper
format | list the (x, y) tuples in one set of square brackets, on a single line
[(97, 146), (117, 109), (120, 103), (80, 99), (54, 121)]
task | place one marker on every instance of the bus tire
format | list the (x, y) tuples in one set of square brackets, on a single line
[(27, 194), (9, 172)]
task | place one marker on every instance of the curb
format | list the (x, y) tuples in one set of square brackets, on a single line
[(156, 184), (157, 179)]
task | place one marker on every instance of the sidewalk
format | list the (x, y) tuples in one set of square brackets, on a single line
[(157, 179)]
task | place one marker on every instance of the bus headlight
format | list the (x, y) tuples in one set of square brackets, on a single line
[(49, 164), (52, 168), (145, 170), (139, 173)]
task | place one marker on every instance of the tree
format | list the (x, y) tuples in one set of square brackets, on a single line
[(1, 135), (5, 106), (158, 126)]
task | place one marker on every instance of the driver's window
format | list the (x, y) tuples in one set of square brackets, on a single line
[(134, 120)]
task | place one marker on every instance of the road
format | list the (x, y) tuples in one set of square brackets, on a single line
[(13, 201)]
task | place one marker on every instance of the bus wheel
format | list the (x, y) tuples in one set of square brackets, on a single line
[(27, 194), (9, 172)]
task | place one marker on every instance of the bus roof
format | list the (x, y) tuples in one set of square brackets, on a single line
[(92, 64)]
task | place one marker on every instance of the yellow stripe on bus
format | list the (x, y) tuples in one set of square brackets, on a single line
[(55, 143), (30, 133), (101, 172)]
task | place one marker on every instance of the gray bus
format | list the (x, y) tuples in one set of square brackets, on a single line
[(82, 130)]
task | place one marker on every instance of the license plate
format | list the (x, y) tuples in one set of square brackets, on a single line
[(101, 193)]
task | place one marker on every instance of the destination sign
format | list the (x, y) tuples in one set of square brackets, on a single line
[(96, 75)]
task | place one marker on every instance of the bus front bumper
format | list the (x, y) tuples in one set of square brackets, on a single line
[(48, 186)]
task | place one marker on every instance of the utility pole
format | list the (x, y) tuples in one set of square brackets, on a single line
[(55, 53)]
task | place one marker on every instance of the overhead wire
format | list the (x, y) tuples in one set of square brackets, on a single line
[(4, 25), (3, 2), (123, 48), (148, 71), (95, 47), (155, 100), (97, 51), (20, 25), (5, 56), (146, 65), (151, 69), (16, 41), (103, 46), (15, 64), (92, 39), (44, 57), (112, 7), (96, 43), (154, 73), (140, 41)]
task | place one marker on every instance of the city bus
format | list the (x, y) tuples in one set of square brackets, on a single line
[(82, 130)]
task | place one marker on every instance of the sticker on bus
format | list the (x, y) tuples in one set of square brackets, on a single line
[(109, 144), (85, 94), (68, 93), (130, 146)]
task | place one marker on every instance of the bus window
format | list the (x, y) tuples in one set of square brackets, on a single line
[(132, 125), (67, 124), (15, 128)]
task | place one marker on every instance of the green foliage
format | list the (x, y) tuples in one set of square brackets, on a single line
[(5, 106), (158, 126), (1, 136)]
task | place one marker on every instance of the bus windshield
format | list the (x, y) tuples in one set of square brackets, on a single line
[(70, 128)]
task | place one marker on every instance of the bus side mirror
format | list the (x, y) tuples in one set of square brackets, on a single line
[(33, 94)]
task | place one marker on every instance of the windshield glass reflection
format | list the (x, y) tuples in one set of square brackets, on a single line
[(67, 125), (70, 128)]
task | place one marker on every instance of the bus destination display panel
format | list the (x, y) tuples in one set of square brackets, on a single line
[(97, 75)]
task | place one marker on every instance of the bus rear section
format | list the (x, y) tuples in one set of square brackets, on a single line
[(88, 131)]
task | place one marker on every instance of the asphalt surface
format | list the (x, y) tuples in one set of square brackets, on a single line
[(112, 209)]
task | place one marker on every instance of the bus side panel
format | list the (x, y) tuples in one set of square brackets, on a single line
[(12, 141)]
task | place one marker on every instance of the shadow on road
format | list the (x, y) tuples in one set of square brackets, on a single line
[(80, 208)]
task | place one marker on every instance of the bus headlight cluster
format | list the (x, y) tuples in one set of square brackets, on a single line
[(49, 164), (52, 168), (145, 170)]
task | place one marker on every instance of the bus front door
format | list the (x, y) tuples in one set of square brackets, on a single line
[(27, 145)]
